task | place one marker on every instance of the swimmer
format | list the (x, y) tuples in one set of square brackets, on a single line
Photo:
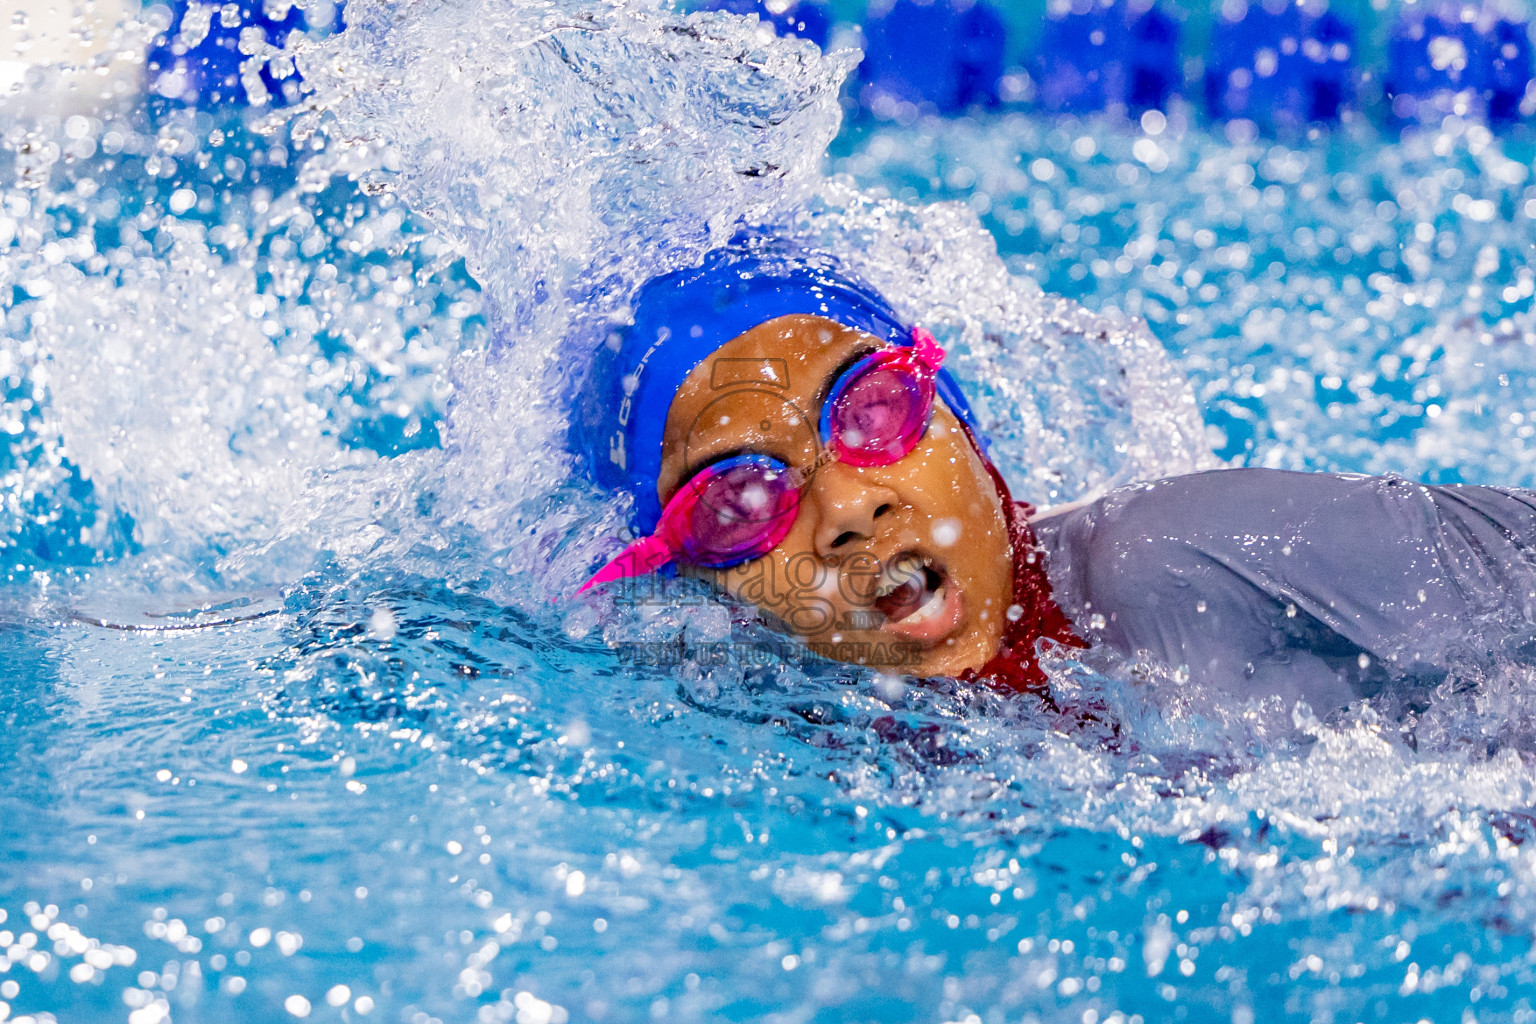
[(789, 439)]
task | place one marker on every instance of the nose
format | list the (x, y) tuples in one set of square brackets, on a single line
[(850, 507)]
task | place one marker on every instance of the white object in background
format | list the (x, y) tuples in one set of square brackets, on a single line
[(96, 61)]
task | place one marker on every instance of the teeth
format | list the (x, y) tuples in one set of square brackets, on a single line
[(904, 570), (929, 609)]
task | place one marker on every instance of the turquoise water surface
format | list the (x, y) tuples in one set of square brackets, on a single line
[(294, 727)]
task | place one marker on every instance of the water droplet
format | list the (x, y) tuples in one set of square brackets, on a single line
[(382, 624), (946, 532)]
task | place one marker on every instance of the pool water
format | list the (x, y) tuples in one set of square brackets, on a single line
[(300, 724), (1381, 281)]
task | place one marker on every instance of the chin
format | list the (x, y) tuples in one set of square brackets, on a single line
[(964, 654), (896, 655)]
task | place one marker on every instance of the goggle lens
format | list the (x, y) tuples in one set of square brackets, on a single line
[(879, 413), (741, 509)]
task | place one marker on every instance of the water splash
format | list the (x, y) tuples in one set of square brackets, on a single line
[(654, 138), (424, 786), (1351, 304), (197, 326)]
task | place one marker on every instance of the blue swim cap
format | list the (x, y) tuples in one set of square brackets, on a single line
[(682, 317)]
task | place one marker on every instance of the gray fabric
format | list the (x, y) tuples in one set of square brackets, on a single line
[(1264, 581)]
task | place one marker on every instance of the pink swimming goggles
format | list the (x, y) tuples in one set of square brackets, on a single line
[(740, 508)]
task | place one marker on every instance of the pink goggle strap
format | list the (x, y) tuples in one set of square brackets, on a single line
[(642, 556), (927, 349)]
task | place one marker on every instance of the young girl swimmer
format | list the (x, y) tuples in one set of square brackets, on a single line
[(786, 436)]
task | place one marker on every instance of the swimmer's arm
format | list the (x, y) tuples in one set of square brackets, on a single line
[(1057, 510)]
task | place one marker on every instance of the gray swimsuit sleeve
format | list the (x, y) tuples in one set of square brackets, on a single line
[(1311, 585)]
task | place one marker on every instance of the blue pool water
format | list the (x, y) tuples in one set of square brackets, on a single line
[(293, 727)]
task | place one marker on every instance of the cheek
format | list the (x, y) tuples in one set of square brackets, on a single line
[(808, 597), (791, 582), (953, 495), (809, 586), (794, 561)]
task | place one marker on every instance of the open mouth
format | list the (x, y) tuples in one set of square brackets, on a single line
[(918, 599)]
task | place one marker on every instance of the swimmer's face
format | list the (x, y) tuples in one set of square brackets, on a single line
[(903, 567)]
